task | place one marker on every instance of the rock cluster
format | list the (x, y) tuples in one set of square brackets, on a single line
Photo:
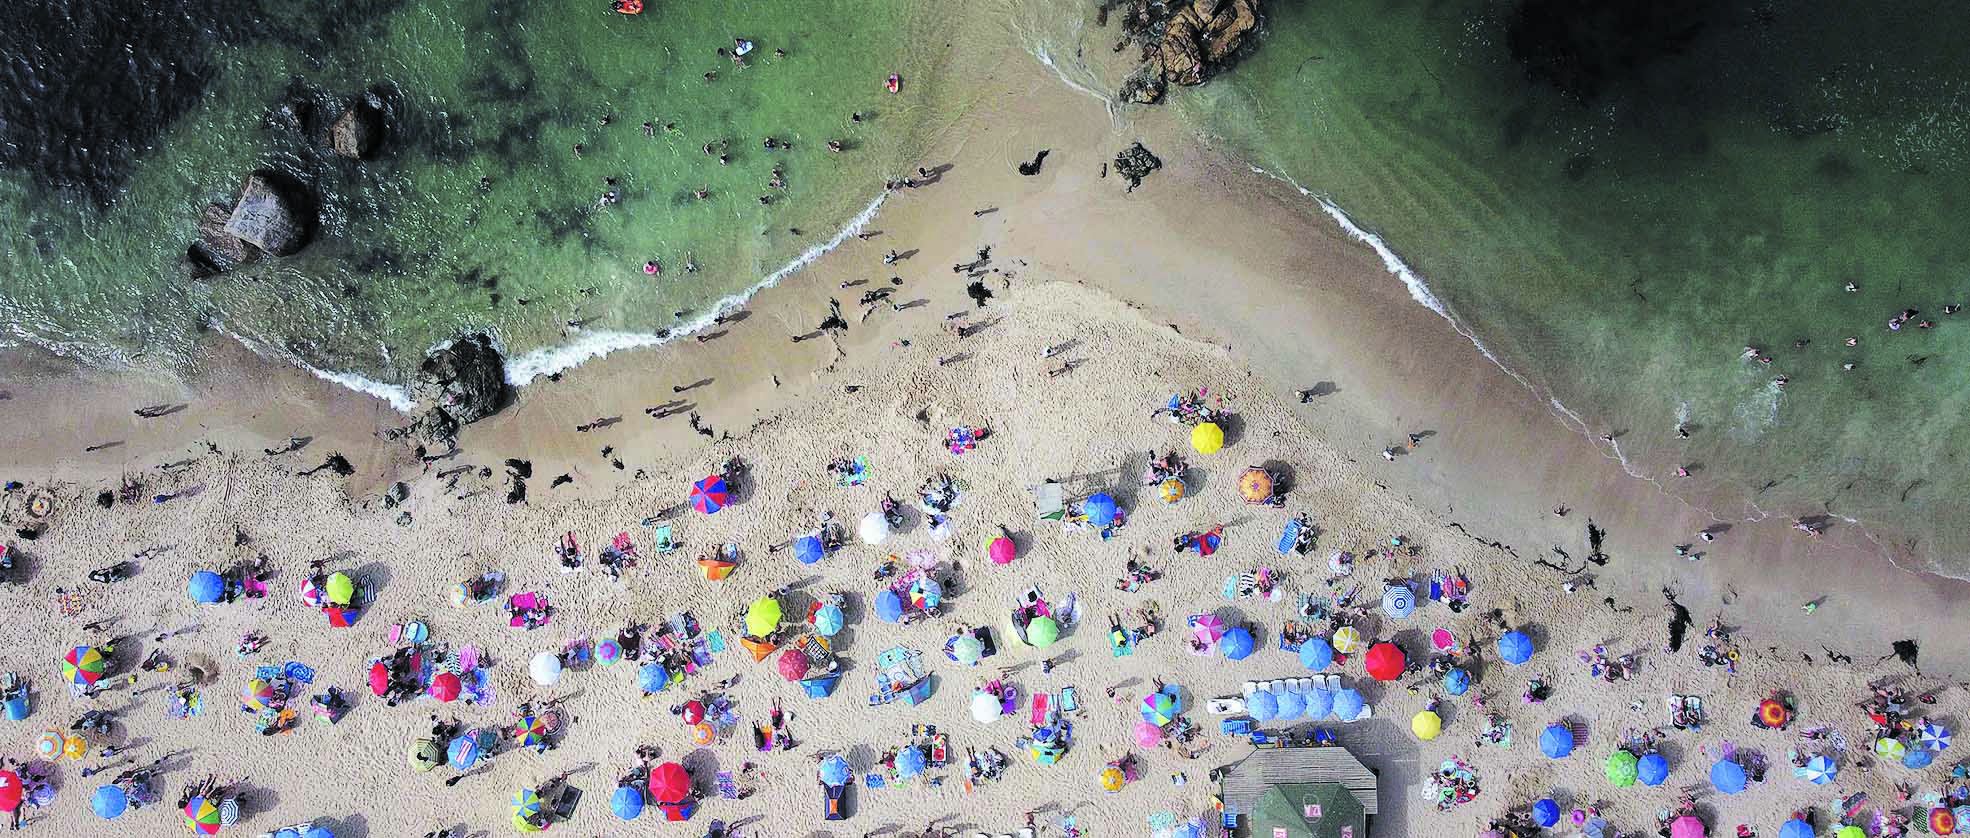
[(268, 216), (459, 383), (1183, 41)]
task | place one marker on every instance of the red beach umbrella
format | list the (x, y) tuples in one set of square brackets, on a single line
[(445, 687), (669, 783), (379, 678), (10, 791), (709, 495), (1385, 661), (694, 711), (793, 665)]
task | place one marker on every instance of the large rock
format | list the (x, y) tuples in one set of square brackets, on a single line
[(216, 250), (458, 384), (357, 131), (268, 218), (1184, 43)]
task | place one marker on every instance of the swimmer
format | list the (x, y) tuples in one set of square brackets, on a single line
[(649, 129), (855, 117), (1682, 471), (652, 268), (1952, 308), (702, 193), (1780, 381), (835, 146), (1853, 340), (765, 199), (724, 160), (577, 151), (1851, 288), (1848, 366)]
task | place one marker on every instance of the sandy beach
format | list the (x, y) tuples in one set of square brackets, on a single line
[(1207, 277)]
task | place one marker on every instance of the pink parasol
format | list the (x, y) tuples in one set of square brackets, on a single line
[(1148, 735), (1444, 640), (1687, 826)]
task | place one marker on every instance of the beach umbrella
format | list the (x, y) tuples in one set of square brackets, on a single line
[(340, 616), (1348, 704), (1850, 831), (1112, 779), (75, 747), (1426, 725), (1001, 550), (109, 801), (835, 771), (986, 708), (1170, 490), (1207, 438), (968, 649), (1773, 713), (1100, 509), (12, 791), (1795, 828), (888, 606), (828, 620), (1546, 813), (1918, 758), (1255, 485), (1319, 703), (340, 590), (670, 783), (1385, 661), (763, 616), (873, 529), (808, 549), (469, 747), (1042, 632), (1456, 682), (202, 815), (1515, 648), (312, 595), (1687, 826), (1398, 601), (460, 594), (1208, 628), (526, 805), (909, 762), (379, 678), (608, 652), (1727, 776), (1317, 654), (1346, 640), (1890, 748), (1206, 543), (1819, 770), (1444, 640), (1942, 821), (1291, 706), (710, 494), (533, 732), (693, 712), (1147, 735), (206, 587), (1262, 706), (445, 687), (793, 665), (652, 677), (1935, 737), (84, 665), (926, 593), (426, 754), (545, 668), (1652, 769), (1621, 768), (1160, 708), (1556, 741), (1236, 644), (257, 695), (49, 745), (626, 802)]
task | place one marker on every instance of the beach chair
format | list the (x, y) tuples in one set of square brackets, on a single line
[(1225, 706), (1050, 501)]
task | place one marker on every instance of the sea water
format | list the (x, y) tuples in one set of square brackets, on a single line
[(1617, 198), (120, 122)]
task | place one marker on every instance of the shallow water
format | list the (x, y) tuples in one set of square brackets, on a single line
[(119, 126), (1618, 198)]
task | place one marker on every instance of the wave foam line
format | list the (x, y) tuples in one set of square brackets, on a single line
[(591, 345), (398, 398), (1039, 51)]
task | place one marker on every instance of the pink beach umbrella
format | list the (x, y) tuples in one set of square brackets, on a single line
[(1445, 641), (1208, 627), (1148, 735), (1687, 826), (1001, 550)]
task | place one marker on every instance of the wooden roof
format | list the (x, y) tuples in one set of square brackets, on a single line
[(1247, 779)]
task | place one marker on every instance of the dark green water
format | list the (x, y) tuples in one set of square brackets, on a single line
[(1618, 198), (121, 121)]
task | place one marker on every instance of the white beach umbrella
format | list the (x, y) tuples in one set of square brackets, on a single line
[(545, 669), (873, 529), (985, 707)]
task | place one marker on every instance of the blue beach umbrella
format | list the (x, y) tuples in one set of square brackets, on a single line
[(909, 762), (828, 620), (1100, 509), (1918, 758), (287, 833), (1515, 648), (1795, 828), (889, 606), (1291, 705), (1262, 706), (1348, 704), (465, 750), (807, 549), (318, 832), (1317, 654), (1319, 704), (1556, 741), (1456, 682), (652, 677), (109, 801), (835, 771), (1819, 771), (627, 802), (1727, 776), (1546, 813), (1236, 644), (1652, 769), (206, 587)]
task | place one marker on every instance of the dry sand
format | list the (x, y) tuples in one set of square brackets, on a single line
[(1209, 276)]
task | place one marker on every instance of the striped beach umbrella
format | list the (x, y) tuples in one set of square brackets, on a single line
[(202, 815), (84, 665), (710, 494)]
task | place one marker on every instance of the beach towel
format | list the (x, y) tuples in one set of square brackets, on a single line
[(1040, 702), (299, 672), (715, 641), (728, 786)]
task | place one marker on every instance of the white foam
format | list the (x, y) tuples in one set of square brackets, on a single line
[(1040, 52), (589, 345), (398, 398)]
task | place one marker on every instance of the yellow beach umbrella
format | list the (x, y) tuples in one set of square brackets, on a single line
[(1426, 725), (1207, 438), (340, 589), (763, 617), (1112, 779), (1171, 490), (75, 747), (1347, 640)]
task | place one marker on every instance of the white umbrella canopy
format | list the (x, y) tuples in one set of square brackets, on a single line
[(874, 528)]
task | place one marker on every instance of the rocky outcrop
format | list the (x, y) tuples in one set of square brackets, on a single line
[(357, 131), (458, 384), (1135, 163), (216, 251), (1182, 42), (268, 217)]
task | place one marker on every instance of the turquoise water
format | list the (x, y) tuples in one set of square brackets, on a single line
[(1618, 198), (411, 247)]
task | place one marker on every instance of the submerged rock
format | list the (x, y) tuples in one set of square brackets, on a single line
[(1183, 42), (357, 131), (458, 384), (267, 217), (216, 251)]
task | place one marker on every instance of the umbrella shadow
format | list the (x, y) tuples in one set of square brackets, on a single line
[(702, 765), (255, 800), (353, 826), (1128, 492), (1284, 477)]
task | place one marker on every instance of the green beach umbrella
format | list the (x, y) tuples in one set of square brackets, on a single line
[(426, 754), (341, 590), (763, 618), (1621, 769), (1042, 632)]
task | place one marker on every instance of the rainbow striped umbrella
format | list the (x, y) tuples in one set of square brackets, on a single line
[(84, 665), (709, 495), (202, 815), (258, 695), (534, 732)]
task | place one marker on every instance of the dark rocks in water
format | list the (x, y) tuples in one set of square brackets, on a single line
[(1183, 43), (458, 384), (1033, 168), (1586, 48), (1907, 651), (269, 216), (335, 463), (1135, 163), (217, 251), (356, 133)]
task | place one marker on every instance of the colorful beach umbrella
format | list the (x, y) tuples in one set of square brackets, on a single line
[(340, 590), (1426, 725), (967, 650), (202, 815), (206, 587), (1515, 648), (109, 801), (1818, 770), (1773, 713), (1100, 509), (1556, 741), (793, 665), (828, 620), (1890, 748), (1208, 628), (1262, 706), (652, 677), (84, 665), (1348, 704), (533, 731), (1456, 682), (1687, 826), (709, 495), (715, 570), (763, 616), (445, 687), (75, 747), (1385, 661), (1147, 734), (1316, 654), (1207, 438), (526, 805), (926, 593), (256, 696), (608, 652), (1942, 821), (1652, 769), (1171, 490), (1621, 768), (627, 802), (1237, 643), (1160, 708), (1935, 737), (313, 596), (1546, 813), (1042, 632), (49, 744), (468, 748), (1112, 779), (835, 771), (426, 754), (1001, 550), (1795, 828), (1727, 776), (1398, 601), (909, 762), (808, 549), (1255, 485), (670, 783), (1347, 640), (888, 606)]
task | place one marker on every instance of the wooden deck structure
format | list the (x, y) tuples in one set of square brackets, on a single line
[(1244, 781)]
